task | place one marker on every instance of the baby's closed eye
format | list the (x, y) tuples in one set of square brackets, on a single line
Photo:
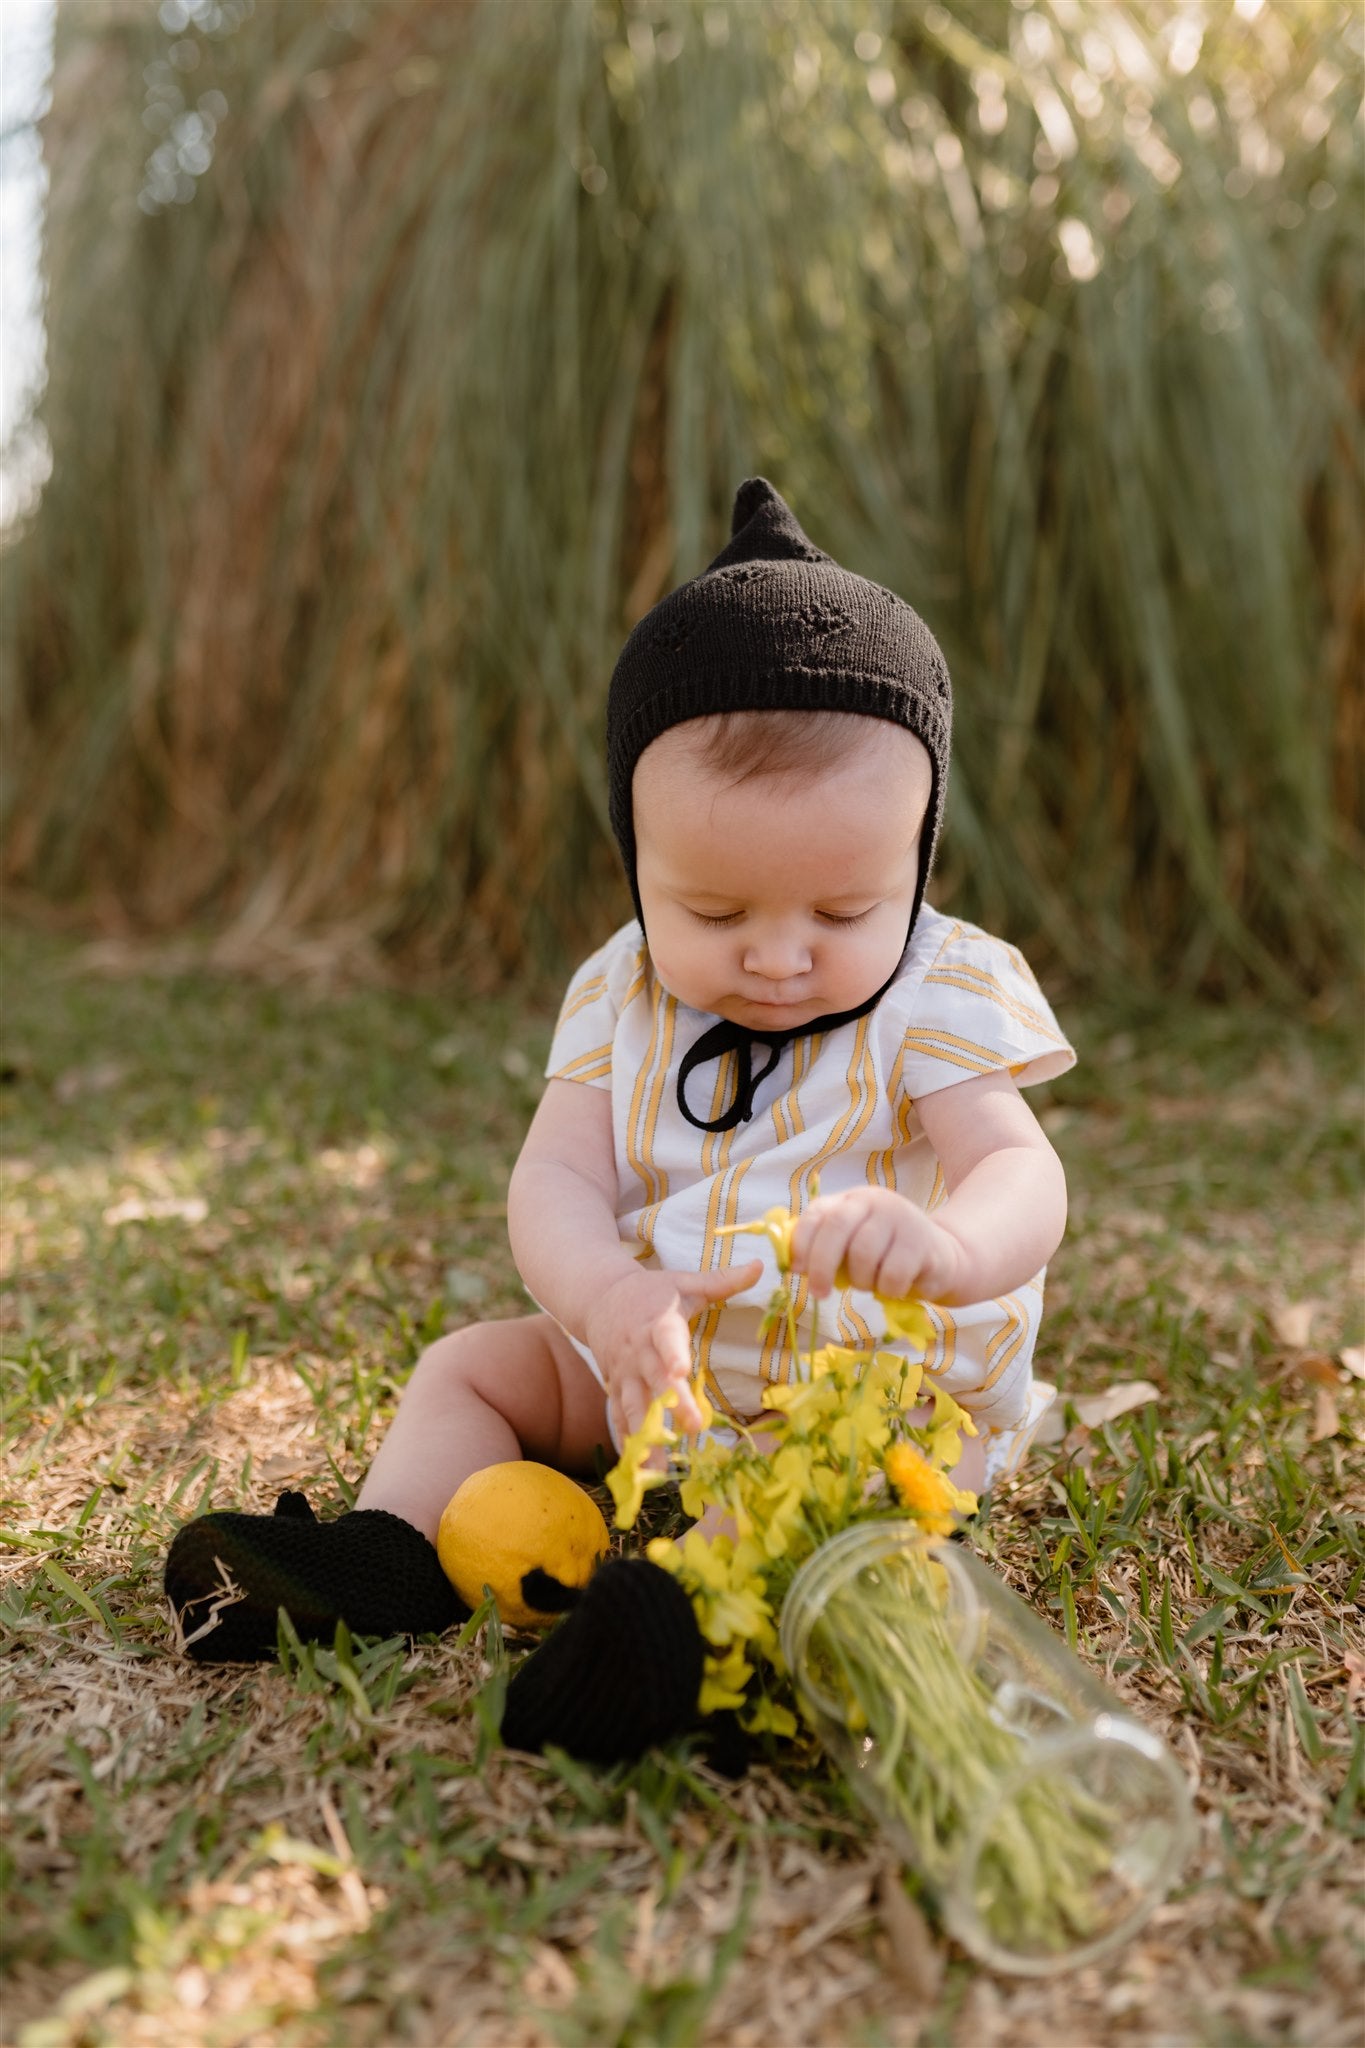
[(843, 918)]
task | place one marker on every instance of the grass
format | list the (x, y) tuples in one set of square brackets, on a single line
[(234, 1214)]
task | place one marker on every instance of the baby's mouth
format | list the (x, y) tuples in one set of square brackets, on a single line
[(778, 1004)]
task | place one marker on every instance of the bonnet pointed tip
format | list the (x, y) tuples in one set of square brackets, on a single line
[(754, 494), (763, 527)]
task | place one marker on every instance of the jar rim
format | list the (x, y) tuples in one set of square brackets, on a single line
[(827, 1570), (1112, 1730)]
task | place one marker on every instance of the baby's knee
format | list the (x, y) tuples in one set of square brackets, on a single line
[(453, 1359), (486, 1359)]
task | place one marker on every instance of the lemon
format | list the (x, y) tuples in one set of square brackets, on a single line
[(510, 1520)]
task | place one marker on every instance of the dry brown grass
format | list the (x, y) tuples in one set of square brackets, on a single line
[(336, 1853), (412, 410)]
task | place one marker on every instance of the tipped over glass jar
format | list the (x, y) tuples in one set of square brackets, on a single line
[(1046, 1820)]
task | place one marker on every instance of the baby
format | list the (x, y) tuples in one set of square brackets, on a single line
[(785, 1012)]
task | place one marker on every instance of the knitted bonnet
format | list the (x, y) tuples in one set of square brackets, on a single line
[(774, 624)]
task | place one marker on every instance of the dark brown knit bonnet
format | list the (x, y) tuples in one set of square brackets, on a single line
[(774, 624)]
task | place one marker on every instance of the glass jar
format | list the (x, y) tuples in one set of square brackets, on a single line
[(1047, 1821)]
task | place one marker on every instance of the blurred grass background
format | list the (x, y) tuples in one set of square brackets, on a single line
[(401, 356)]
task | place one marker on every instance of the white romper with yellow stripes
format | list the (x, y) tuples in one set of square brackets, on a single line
[(840, 1107)]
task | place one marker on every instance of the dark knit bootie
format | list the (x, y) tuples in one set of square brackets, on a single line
[(228, 1575), (622, 1671)]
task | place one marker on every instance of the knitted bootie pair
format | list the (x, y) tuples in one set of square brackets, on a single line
[(619, 1673)]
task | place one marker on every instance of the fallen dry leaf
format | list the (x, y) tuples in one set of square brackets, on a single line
[(915, 1957), (1355, 1679), (281, 1467), (1326, 1420), (1292, 1322), (1094, 1409), (1318, 1367), (158, 1209)]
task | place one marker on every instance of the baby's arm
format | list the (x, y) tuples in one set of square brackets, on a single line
[(561, 1219), (1002, 1220)]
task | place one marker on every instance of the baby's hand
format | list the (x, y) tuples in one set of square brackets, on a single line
[(878, 1240), (638, 1333)]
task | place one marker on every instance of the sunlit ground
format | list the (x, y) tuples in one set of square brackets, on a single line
[(232, 1216)]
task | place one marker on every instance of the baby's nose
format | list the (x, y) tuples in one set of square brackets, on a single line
[(777, 954)]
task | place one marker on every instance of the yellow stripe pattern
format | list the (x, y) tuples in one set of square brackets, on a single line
[(976, 981), (722, 1210), (644, 1113), (588, 992), (589, 1066), (775, 1362), (966, 1053), (846, 1113)]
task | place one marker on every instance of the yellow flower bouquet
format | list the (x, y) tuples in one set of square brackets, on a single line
[(1045, 1822)]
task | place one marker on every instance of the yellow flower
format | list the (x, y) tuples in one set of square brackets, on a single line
[(778, 1509), (831, 1489), (950, 1414), (928, 1494), (908, 1319), (767, 1714), (628, 1479), (708, 1471), (904, 1376), (839, 1362), (700, 1491), (856, 1436), (875, 1401), (704, 1408), (777, 1226), (724, 1581), (724, 1679), (806, 1403), (940, 1438)]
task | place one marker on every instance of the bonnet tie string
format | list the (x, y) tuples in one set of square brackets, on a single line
[(713, 1045), (723, 1037)]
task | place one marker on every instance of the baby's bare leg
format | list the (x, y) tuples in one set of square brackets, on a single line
[(491, 1392)]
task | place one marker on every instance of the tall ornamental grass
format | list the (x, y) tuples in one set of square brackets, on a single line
[(401, 356)]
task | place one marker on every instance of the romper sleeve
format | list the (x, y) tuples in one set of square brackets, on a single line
[(581, 1049), (976, 1009)]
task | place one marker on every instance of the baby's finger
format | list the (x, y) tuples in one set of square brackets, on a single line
[(673, 1347), (867, 1252), (626, 1414), (671, 1365), (631, 1397), (900, 1271), (823, 1251), (719, 1284), (685, 1414), (807, 1223)]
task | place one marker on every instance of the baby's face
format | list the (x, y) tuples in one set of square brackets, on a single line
[(774, 901)]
